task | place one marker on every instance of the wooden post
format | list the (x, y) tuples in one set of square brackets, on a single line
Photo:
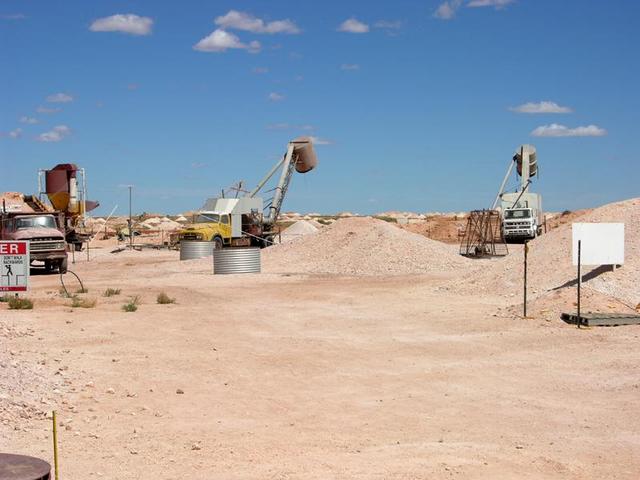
[(579, 278), (526, 252)]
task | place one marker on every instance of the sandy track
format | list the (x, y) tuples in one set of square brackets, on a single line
[(294, 376)]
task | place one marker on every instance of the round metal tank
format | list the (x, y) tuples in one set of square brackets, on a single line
[(192, 249), (236, 260), (533, 159), (21, 467), (306, 156)]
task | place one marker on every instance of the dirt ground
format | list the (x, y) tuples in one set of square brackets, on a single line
[(287, 376)]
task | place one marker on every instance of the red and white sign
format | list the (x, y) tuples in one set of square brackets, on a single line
[(14, 266)]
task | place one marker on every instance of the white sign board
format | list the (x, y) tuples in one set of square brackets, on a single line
[(14, 266), (600, 243)]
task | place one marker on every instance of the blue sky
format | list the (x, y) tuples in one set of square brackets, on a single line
[(418, 105)]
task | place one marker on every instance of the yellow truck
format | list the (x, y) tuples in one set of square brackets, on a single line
[(243, 221), (227, 222)]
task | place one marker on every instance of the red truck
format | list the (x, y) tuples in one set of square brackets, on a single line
[(26, 218)]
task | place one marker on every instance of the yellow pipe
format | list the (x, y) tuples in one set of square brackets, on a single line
[(55, 445)]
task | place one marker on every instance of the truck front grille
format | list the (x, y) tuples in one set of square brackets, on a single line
[(517, 225), (43, 245), (191, 236)]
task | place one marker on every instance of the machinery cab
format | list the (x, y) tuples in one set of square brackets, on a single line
[(521, 215), (206, 225), (227, 221)]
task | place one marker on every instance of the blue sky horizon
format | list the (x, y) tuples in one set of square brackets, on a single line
[(413, 105)]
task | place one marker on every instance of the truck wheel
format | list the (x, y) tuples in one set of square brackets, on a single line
[(62, 267), (217, 243)]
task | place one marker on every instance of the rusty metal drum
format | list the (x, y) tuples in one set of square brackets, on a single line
[(306, 159), (22, 467)]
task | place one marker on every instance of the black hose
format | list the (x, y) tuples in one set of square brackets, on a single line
[(65, 288)]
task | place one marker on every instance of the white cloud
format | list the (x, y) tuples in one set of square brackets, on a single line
[(555, 130), (234, 20), (60, 98), (388, 24), (349, 66), (42, 109), (13, 16), (28, 120), (275, 97), (17, 133), (497, 4), (447, 10), (221, 40), (56, 134), (540, 107), (353, 25), (320, 141), (124, 23)]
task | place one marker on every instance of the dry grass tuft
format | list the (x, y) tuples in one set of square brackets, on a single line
[(77, 302), (132, 304), (20, 303), (164, 299)]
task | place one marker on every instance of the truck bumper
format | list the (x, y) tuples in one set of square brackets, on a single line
[(519, 234), (42, 256)]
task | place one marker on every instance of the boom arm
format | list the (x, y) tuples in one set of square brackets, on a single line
[(504, 182), (283, 184), (299, 157)]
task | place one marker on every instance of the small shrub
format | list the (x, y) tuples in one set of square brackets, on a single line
[(5, 298), (566, 212), (77, 302), (164, 299), (131, 305), (82, 290), (18, 303), (110, 292)]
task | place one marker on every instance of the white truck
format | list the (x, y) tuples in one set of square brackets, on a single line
[(522, 216)]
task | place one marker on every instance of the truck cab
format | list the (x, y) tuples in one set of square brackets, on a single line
[(521, 215), (42, 230), (235, 222), (520, 223), (209, 226)]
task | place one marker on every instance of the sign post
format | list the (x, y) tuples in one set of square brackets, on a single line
[(526, 252), (579, 277), (14, 266)]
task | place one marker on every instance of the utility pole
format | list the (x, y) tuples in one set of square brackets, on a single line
[(130, 219)]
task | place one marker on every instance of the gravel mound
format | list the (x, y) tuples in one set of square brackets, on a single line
[(363, 246), (298, 229), (550, 264)]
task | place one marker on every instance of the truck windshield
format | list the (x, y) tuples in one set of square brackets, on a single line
[(520, 213), (43, 221), (208, 218)]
